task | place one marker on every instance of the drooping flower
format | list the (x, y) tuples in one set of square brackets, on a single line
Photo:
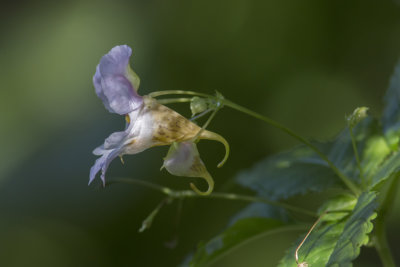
[(149, 123), (183, 159)]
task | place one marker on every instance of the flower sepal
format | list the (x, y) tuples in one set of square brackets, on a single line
[(183, 159)]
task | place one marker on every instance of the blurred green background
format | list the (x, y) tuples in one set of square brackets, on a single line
[(304, 63)]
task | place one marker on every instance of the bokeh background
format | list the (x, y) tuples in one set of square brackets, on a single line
[(304, 63)]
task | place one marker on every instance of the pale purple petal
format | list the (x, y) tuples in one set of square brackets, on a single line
[(116, 61), (112, 83), (98, 151), (99, 89), (102, 164), (181, 158), (115, 140), (119, 95), (112, 147)]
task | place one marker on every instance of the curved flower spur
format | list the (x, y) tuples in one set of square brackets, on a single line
[(149, 123)]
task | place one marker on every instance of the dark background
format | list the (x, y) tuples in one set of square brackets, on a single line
[(303, 63)]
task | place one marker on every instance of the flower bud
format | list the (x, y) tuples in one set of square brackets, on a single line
[(358, 115), (198, 105)]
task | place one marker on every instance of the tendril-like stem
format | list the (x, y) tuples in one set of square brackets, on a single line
[(354, 188), (174, 194), (201, 114), (206, 124), (174, 100), (179, 92), (296, 253), (356, 155)]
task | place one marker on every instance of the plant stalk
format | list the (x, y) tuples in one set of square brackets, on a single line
[(174, 194), (353, 142)]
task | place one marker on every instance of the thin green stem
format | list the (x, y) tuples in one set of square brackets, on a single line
[(174, 194), (174, 100), (353, 142), (380, 236), (146, 224), (179, 92), (206, 124), (273, 123), (230, 196), (201, 114), (296, 253)]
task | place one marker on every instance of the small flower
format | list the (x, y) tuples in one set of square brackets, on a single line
[(183, 159), (149, 123)]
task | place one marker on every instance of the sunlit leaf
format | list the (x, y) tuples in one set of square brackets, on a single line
[(390, 166), (356, 231), (374, 154), (337, 243), (338, 207)]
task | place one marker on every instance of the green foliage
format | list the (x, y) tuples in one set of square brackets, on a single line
[(300, 170), (366, 152), (340, 151), (374, 154), (233, 237), (337, 242), (391, 113), (288, 174), (356, 230), (261, 210), (389, 167)]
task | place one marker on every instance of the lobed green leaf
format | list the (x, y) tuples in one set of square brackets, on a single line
[(337, 242), (287, 174)]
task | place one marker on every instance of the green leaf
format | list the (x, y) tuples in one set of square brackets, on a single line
[(300, 170), (340, 151), (391, 113), (338, 207), (261, 210), (287, 174), (338, 242), (390, 166), (374, 154), (238, 234), (356, 230)]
